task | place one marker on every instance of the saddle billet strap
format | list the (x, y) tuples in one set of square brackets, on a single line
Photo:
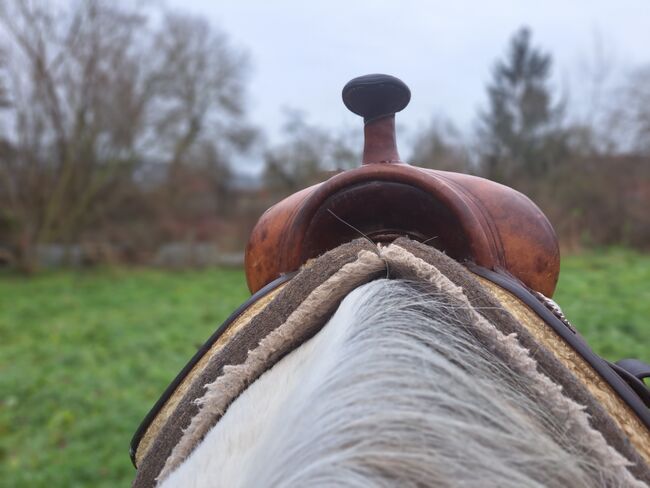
[(636, 368), (571, 337), (169, 391), (633, 379)]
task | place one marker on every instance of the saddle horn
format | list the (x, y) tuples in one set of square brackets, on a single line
[(470, 218)]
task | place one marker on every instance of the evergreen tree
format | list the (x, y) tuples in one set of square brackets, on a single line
[(521, 132)]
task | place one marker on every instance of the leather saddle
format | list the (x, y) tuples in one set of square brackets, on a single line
[(471, 219), (495, 232)]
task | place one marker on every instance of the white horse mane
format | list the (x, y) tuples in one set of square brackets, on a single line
[(394, 391)]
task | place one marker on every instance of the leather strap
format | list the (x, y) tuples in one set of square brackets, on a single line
[(634, 377), (637, 368), (631, 394)]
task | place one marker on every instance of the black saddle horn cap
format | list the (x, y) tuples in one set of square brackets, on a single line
[(377, 95)]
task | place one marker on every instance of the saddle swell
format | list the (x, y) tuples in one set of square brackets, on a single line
[(469, 218)]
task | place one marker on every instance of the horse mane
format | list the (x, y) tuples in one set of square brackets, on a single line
[(396, 390)]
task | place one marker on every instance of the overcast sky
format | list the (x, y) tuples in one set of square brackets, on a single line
[(303, 52)]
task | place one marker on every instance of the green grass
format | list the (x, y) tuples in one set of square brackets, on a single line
[(84, 355), (606, 295)]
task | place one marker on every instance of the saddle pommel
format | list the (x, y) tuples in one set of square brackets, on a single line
[(470, 218)]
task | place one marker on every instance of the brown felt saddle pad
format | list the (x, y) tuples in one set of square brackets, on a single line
[(558, 350)]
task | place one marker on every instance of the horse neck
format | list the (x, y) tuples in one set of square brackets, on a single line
[(395, 389)]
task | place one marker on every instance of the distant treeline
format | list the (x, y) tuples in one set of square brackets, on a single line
[(119, 126)]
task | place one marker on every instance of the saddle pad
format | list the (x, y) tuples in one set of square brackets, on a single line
[(260, 336)]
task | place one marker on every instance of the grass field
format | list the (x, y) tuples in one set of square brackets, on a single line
[(83, 355)]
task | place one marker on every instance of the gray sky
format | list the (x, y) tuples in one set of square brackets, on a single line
[(303, 53)]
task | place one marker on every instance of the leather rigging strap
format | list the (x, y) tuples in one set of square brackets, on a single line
[(629, 388)]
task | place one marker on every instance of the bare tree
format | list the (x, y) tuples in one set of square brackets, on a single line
[(94, 90), (441, 146), (631, 115), (308, 154), (612, 114), (198, 81)]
